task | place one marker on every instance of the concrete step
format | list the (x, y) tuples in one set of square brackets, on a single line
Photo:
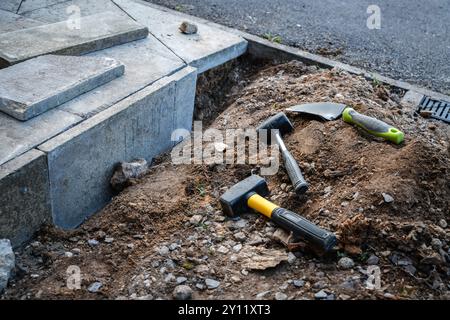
[(25, 196), (37, 85), (11, 22), (207, 49), (10, 5), (89, 34), (82, 159)]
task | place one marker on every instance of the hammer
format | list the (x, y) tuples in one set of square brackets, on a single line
[(249, 193), (281, 125)]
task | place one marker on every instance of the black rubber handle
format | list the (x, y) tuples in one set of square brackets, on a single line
[(304, 228), (294, 172)]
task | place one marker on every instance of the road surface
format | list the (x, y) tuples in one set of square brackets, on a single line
[(412, 43)]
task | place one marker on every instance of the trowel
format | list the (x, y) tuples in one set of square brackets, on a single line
[(332, 111)]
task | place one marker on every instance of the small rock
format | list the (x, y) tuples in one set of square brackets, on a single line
[(327, 190), (182, 292), (262, 294), (344, 204), (291, 258), (181, 280), (68, 254), (109, 240), (7, 262), (237, 247), (373, 260), (173, 246), (235, 279), (256, 240), (196, 219), (126, 171), (240, 236), (280, 296), (223, 250), (95, 287), (436, 244), (163, 250), (298, 283), (321, 295), (169, 278), (93, 242), (212, 284), (188, 28), (443, 223), (387, 198), (240, 224), (200, 286), (346, 263)]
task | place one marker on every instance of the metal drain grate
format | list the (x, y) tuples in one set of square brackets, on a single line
[(440, 109)]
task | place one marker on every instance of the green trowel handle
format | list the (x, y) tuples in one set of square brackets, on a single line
[(373, 126)]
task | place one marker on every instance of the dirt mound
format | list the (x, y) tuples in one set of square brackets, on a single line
[(388, 205)]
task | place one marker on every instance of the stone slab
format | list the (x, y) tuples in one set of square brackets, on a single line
[(10, 5), (11, 22), (82, 159), (56, 10), (146, 61), (17, 137), (31, 5), (24, 196), (37, 85), (209, 48), (96, 32)]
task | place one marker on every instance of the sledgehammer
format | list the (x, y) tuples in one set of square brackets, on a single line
[(249, 193), (282, 125)]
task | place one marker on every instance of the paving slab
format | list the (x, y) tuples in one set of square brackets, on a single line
[(56, 11), (96, 32), (31, 5), (146, 61), (37, 85), (11, 22), (17, 137), (10, 5), (24, 196), (207, 49), (82, 159)]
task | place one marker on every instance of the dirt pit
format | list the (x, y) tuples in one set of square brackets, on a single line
[(387, 204)]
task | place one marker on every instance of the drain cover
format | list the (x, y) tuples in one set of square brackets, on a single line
[(438, 109)]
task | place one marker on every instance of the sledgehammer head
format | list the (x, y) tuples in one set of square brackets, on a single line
[(277, 122), (234, 201)]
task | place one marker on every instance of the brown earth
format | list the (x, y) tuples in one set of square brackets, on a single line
[(177, 206)]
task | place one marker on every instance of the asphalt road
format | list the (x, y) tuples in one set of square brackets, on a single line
[(412, 44)]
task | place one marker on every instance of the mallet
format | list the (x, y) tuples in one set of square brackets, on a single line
[(281, 125), (249, 193)]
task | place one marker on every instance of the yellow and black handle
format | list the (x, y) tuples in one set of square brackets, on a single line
[(292, 221)]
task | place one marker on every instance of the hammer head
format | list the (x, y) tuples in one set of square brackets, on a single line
[(278, 122), (234, 201)]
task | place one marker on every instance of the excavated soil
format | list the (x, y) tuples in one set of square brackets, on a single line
[(387, 204)]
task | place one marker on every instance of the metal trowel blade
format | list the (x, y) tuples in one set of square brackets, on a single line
[(325, 110)]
